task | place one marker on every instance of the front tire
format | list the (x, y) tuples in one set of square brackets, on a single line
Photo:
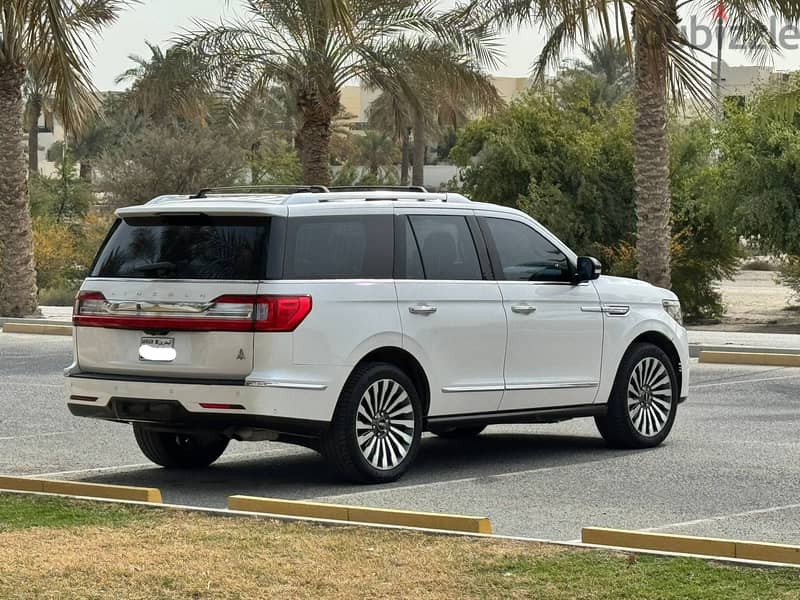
[(179, 450), (644, 400), (377, 426)]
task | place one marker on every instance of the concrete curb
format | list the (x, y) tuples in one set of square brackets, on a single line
[(361, 514), (751, 358), (86, 490), (709, 547), (228, 513), (696, 349), (48, 328)]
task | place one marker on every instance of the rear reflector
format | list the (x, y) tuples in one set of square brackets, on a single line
[(225, 313), (83, 398), (213, 406)]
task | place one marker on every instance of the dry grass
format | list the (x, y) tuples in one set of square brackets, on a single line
[(190, 556), (87, 551)]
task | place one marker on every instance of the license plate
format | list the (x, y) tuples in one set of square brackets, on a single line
[(157, 349)]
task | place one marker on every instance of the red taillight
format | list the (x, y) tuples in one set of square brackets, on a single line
[(89, 301), (281, 313), (225, 313)]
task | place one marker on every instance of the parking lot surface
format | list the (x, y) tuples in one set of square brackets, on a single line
[(730, 468)]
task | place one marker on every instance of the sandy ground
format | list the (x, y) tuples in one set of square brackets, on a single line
[(755, 302)]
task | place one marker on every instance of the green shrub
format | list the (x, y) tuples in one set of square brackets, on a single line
[(60, 296), (789, 275)]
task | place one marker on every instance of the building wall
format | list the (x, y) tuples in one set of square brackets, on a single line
[(743, 80)]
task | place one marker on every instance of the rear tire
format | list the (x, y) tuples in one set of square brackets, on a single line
[(644, 400), (376, 428), (458, 433), (179, 450)]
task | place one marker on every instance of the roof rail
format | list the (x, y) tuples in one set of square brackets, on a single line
[(256, 189), (378, 188)]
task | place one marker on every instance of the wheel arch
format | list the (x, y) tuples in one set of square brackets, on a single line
[(664, 343), (408, 363)]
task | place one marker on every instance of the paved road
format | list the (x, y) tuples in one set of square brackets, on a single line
[(731, 467)]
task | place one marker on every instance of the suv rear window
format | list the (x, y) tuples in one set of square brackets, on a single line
[(185, 247)]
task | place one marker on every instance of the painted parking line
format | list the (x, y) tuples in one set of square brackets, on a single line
[(224, 460), (742, 381), (747, 513), (36, 435), (23, 383), (477, 478)]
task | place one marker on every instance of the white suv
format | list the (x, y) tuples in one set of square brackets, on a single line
[(352, 321)]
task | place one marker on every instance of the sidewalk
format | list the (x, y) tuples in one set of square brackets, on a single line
[(736, 339)]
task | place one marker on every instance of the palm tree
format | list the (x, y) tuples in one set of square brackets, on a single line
[(666, 65), (390, 113), (443, 84), (312, 48), (37, 94), (168, 86), (51, 35), (375, 150)]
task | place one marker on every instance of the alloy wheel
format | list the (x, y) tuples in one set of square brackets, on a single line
[(650, 396), (385, 424)]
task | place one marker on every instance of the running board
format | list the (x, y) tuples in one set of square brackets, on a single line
[(539, 415)]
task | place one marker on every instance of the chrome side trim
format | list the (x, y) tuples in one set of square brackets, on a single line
[(553, 386), (614, 310), (458, 389), (292, 385)]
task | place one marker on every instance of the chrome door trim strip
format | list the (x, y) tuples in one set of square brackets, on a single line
[(553, 386), (458, 389), (292, 385)]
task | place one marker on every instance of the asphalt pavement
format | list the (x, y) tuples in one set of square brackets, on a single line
[(730, 468)]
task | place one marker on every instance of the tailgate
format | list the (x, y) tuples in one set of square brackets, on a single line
[(207, 334), (174, 296)]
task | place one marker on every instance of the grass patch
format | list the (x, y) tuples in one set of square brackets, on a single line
[(124, 554), (606, 576), (23, 512)]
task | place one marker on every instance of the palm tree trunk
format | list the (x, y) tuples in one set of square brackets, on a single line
[(86, 171), (418, 175), (651, 162), (17, 272), (34, 112), (313, 145), (405, 162)]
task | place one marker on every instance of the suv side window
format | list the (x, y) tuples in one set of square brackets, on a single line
[(446, 246), (339, 247), (524, 254)]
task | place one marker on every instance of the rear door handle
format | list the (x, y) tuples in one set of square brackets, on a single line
[(422, 309), (523, 309)]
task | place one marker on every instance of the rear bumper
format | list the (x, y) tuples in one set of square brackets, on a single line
[(177, 404), (171, 415)]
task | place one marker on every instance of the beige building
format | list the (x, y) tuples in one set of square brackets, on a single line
[(744, 81), (356, 100)]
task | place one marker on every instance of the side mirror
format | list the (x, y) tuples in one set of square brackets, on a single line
[(588, 268)]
